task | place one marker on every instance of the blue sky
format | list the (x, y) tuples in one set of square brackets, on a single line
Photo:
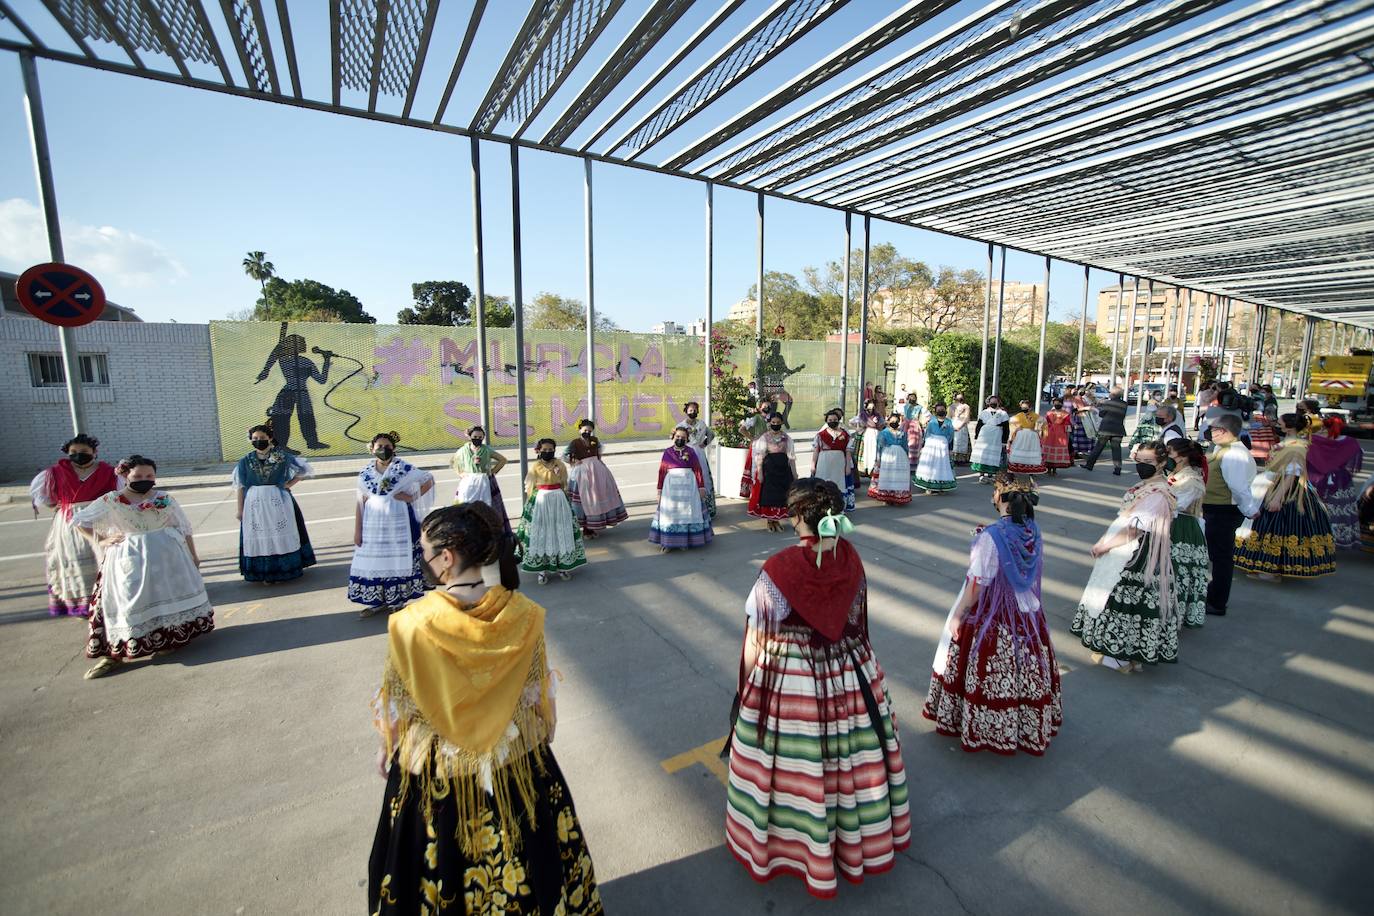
[(163, 189)]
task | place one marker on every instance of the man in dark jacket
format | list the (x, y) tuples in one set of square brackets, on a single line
[(1111, 428)]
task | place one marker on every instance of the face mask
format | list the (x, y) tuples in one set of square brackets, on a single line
[(775, 426), (82, 458), (941, 413), (431, 579), (894, 423), (476, 440), (691, 414), (832, 423), (1146, 471), (680, 443), (1170, 465), (142, 486), (261, 444), (546, 456), (385, 453), (586, 434)]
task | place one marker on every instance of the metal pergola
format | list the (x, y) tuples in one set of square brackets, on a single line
[(1222, 148)]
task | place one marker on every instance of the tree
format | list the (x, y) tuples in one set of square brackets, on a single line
[(954, 300), (498, 311), (259, 268), (802, 314), (550, 311), (308, 300), (898, 287), (442, 302), (1061, 348)]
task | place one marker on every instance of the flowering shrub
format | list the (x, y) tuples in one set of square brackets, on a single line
[(729, 394)]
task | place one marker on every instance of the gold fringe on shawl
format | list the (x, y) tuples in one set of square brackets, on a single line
[(478, 776), (1159, 563), (1289, 452)]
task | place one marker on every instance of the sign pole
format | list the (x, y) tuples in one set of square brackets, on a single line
[(38, 138)]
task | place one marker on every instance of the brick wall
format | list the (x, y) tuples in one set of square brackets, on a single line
[(160, 401)]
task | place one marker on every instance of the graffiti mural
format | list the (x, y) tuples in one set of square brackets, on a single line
[(329, 387)]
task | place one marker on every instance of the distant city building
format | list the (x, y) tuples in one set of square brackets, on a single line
[(1161, 315), (743, 310), (697, 328), (668, 327)]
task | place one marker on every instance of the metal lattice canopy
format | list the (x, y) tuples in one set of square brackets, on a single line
[(1223, 147)]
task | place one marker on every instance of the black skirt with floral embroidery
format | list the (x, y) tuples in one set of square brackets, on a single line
[(418, 866)]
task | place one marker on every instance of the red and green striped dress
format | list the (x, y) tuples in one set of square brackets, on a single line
[(817, 785)]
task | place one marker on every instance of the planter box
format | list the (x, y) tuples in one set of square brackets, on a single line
[(729, 469)]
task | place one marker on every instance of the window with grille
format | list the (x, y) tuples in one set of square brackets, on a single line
[(46, 370)]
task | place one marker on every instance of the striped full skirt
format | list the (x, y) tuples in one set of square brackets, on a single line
[(809, 808)]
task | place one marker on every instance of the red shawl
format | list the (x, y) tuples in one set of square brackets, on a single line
[(1325, 455), (823, 597), (66, 489)]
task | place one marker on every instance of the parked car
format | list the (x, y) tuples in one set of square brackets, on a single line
[(1151, 389)]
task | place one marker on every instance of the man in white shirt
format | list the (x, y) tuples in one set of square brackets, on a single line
[(1170, 423), (1226, 504)]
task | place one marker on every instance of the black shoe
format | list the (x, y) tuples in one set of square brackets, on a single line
[(1087, 467), (316, 445), (289, 450), (1216, 612), (1116, 472)]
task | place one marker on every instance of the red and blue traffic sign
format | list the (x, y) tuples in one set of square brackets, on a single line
[(60, 294)]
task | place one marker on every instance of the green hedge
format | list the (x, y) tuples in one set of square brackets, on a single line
[(955, 360)]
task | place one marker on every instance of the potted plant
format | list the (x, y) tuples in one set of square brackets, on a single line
[(729, 406)]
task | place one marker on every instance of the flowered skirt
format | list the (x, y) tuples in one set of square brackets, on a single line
[(417, 866), (768, 498), (891, 480), (1340, 495), (1079, 440), (1025, 456), (995, 686), (548, 536), (1192, 569), (1119, 614), (71, 568), (594, 495), (682, 520), (1294, 541), (796, 805)]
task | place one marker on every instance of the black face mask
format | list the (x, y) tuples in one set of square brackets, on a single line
[(691, 414), (1170, 465), (385, 453), (775, 427), (80, 459), (1146, 471), (832, 423), (261, 444), (546, 456), (680, 443), (142, 486), (894, 423), (941, 413), (431, 579), (476, 440), (586, 434)]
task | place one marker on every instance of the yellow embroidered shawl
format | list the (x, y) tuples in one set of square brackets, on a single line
[(454, 700)]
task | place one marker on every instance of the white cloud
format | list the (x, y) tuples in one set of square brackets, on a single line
[(119, 259)]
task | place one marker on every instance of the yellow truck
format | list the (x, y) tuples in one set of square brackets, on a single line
[(1346, 386)]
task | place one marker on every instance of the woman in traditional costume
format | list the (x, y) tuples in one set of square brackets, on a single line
[(1054, 437), (1187, 546), (817, 787), (913, 415), (700, 435), (935, 473), (832, 456), (1079, 443), (591, 486), (549, 536), (990, 440), (774, 462), (752, 428), (1292, 535), (963, 441), (995, 681), (393, 497), (1264, 434), (865, 428), (149, 596), (891, 479), (273, 543), (476, 815), (1127, 615), (1333, 460), (682, 520), (68, 486), (1024, 456), (477, 465)]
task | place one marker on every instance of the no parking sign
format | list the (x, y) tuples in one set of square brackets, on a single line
[(60, 294)]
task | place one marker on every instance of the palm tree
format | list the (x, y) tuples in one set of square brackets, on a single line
[(259, 268)]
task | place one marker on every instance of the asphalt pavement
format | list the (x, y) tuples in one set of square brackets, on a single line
[(236, 776)]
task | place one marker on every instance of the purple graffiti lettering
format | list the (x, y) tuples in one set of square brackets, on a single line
[(605, 425), (652, 364), (552, 359), (505, 416), (466, 412), (561, 417), (646, 413), (400, 362)]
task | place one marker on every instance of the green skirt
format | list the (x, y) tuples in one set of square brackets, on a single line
[(1130, 627), (1192, 570)]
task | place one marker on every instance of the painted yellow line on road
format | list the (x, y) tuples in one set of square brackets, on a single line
[(708, 755)]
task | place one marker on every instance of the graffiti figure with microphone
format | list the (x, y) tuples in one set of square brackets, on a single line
[(296, 369)]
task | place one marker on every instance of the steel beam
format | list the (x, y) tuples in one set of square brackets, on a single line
[(518, 304), (474, 20), (1082, 329), (987, 317), (1044, 326), (844, 318), (758, 316), (288, 41), (997, 340), (711, 319), (421, 55), (590, 236), (480, 274), (863, 314)]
